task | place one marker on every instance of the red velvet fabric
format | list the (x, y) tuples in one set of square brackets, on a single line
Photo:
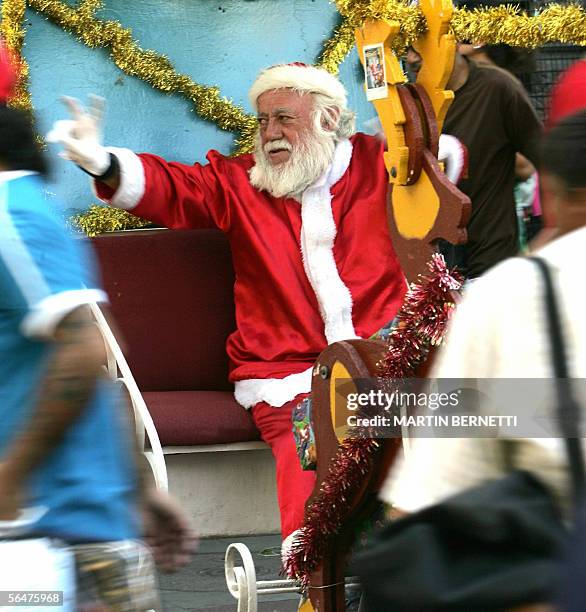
[(183, 418), (294, 485), (171, 296)]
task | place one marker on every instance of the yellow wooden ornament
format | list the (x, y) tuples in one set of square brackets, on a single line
[(389, 110), (340, 379), (415, 207), (437, 48), (306, 606)]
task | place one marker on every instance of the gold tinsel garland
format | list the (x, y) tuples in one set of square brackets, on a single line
[(149, 66), (337, 47), (356, 12), (505, 24), (510, 26), (157, 71), (100, 219), (497, 25)]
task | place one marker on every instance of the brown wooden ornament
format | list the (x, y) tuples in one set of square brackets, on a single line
[(339, 365)]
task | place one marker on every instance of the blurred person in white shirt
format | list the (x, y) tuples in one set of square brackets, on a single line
[(500, 331)]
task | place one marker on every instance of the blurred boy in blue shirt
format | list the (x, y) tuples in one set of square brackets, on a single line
[(66, 444)]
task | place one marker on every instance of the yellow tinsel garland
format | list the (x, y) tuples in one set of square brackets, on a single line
[(100, 219), (147, 65), (337, 47), (356, 12), (510, 26), (505, 24), (496, 25)]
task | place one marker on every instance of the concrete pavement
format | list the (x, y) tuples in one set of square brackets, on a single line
[(202, 586)]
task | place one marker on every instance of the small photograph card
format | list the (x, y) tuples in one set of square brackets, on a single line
[(374, 72)]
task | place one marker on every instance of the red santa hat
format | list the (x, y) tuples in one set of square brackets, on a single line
[(300, 77), (8, 74)]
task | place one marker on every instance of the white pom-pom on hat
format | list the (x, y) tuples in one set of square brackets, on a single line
[(300, 77)]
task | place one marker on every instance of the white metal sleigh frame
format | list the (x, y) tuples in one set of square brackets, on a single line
[(240, 578), (118, 370), (239, 564), (244, 587), (242, 582)]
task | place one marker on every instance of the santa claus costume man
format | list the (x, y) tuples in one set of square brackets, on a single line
[(305, 216)]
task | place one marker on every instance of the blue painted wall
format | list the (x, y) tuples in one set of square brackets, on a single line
[(215, 42)]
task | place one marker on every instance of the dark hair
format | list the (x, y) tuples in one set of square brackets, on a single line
[(19, 149), (563, 151), (517, 61)]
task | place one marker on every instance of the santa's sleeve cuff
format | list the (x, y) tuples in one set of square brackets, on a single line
[(132, 181), (454, 154)]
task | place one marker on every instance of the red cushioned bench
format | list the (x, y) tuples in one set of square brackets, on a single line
[(171, 296)]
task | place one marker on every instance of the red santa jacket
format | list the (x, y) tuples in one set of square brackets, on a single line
[(307, 274)]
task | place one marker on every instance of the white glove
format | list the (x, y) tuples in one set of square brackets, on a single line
[(81, 136), (454, 155)]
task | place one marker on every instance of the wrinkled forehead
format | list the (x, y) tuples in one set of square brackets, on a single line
[(278, 100)]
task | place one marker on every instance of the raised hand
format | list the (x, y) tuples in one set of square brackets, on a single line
[(81, 135)]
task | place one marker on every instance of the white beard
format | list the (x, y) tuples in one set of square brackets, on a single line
[(308, 161)]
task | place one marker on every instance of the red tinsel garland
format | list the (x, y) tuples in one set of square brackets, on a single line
[(323, 518), (422, 320), (421, 323)]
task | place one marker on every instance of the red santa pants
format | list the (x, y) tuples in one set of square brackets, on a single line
[(294, 485)]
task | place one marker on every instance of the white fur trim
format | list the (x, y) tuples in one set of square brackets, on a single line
[(301, 78), (273, 391), (318, 232), (132, 179), (453, 153), (286, 545)]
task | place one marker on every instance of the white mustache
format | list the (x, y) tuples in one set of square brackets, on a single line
[(278, 144), (308, 160)]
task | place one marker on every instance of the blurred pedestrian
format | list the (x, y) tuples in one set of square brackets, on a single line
[(518, 63), (66, 444), (499, 331), (568, 94), (567, 97)]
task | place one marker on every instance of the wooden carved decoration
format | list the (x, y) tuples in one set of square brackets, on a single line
[(424, 205)]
